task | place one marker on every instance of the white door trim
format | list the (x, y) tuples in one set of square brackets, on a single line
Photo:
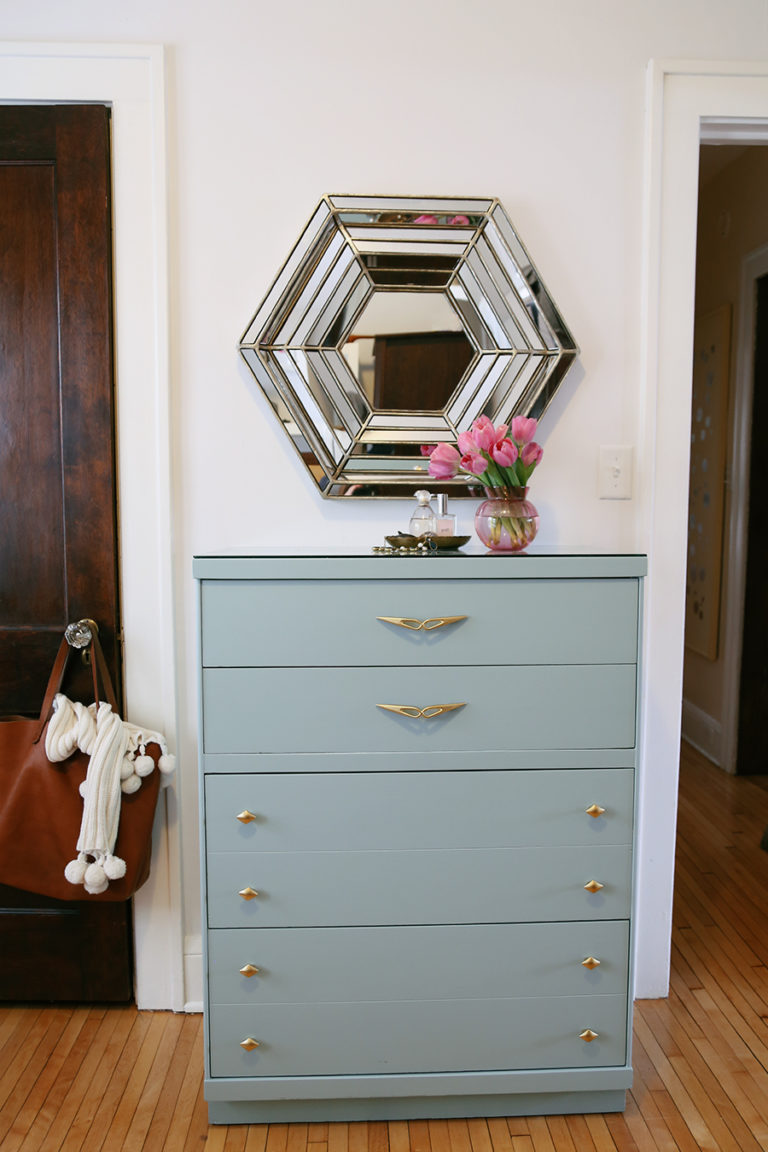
[(681, 96), (131, 79)]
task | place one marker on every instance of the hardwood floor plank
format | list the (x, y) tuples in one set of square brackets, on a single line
[(728, 994), (235, 1141), (135, 1139), (24, 1026), (418, 1131), (642, 1064), (190, 1112), (198, 1125), (623, 1138), (216, 1139), (10, 1020), (645, 1103), (438, 1135), (560, 1133), (77, 1081), (21, 1051), (130, 1095), (518, 1125), (600, 1133), (296, 1140), (277, 1138), (578, 1130), (30, 1121), (99, 1102), (173, 1083), (21, 1089), (458, 1134), (378, 1136), (672, 1084), (338, 1138), (358, 1136), (641, 1128), (256, 1140), (479, 1136), (501, 1137), (673, 1121), (540, 1134)]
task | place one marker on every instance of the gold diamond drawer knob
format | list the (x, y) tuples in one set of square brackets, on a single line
[(590, 962), (251, 893), (588, 1035), (593, 810), (249, 1044), (593, 886), (246, 817), (248, 970)]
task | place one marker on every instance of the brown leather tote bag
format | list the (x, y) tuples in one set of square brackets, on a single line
[(41, 808)]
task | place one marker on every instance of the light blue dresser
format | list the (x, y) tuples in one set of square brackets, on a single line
[(417, 789)]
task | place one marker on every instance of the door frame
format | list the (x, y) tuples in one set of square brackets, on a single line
[(131, 80), (682, 98)]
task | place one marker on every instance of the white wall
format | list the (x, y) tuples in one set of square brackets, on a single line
[(272, 105)]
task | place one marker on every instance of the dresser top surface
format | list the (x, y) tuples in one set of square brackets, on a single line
[(542, 563)]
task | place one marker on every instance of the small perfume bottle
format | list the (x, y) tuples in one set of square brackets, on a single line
[(423, 519), (445, 520)]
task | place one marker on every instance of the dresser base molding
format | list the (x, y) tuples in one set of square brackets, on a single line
[(414, 1107), (276, 1100)]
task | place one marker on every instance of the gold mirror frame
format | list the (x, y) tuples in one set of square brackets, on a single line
[(353, 246)]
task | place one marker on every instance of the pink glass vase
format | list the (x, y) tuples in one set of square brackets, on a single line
[(506, 521)]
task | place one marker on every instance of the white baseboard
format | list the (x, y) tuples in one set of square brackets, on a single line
[(193, 973), (703, 732)]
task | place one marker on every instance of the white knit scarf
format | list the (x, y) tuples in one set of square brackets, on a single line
[(114, 767)]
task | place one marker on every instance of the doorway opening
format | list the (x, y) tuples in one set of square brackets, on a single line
[(725, 676)]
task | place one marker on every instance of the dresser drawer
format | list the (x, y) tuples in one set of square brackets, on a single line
[(339, 710), (438, 962), (412, 1037), (320, 623), (307, 889), (396, 810)]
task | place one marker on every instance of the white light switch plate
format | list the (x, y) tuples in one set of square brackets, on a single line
[(615, 472)]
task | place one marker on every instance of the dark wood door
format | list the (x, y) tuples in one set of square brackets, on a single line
[(58, 531), (419, 371)]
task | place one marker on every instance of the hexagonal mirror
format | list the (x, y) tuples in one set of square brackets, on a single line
[(394, 323)]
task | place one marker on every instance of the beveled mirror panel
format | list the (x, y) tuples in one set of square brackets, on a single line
[(396, 322)]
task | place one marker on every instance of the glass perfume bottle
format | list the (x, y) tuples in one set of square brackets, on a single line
[(445, 521), (423, 519)]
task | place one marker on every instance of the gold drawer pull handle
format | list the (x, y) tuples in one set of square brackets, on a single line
[(246, 817), (588, 1035), (421, 625), (428, 713), (594, 886), (248, 893), (248, 970), (590, 962), (593, 810), (249, 1044)]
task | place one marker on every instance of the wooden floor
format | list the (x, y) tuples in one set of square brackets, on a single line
[(123, 1081)]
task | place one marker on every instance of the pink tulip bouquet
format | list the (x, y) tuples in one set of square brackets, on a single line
[(502, 460), (498, 458)]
